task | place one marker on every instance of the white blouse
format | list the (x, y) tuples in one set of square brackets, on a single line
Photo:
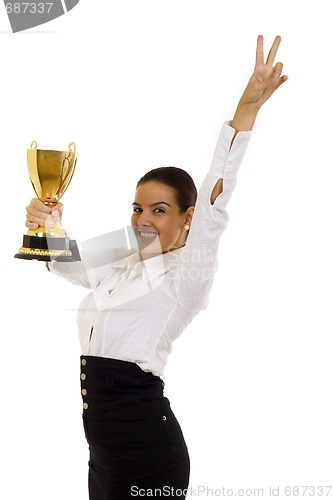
[(136, 309)]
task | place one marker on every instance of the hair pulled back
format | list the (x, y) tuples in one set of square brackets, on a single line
[(176, 178)]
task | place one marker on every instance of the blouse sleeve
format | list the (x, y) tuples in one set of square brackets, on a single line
[(199, 257), (97, 257)]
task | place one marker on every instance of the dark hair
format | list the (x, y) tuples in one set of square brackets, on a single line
[(176, 178)]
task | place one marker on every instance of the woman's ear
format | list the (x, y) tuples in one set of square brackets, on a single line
[(188, 216)]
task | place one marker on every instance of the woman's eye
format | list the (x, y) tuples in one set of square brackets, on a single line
[(137, 210)]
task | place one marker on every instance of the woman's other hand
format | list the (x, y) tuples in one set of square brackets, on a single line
[(266, 79), (39, 214)]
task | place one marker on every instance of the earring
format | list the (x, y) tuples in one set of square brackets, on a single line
[(187, 227)]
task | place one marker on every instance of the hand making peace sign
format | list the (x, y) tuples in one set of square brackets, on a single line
[(265, 80)]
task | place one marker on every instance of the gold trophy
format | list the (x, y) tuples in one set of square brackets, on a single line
[(50, 174)]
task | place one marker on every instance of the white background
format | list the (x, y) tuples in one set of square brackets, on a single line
[(139, 84)]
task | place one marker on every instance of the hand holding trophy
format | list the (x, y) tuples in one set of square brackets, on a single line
[(50, 174)]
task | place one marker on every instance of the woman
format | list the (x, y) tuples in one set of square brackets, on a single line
[(142, 300)]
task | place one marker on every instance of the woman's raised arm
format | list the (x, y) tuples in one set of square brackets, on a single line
[(265, 80)]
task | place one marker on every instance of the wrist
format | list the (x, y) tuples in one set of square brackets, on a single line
[(245, 116)]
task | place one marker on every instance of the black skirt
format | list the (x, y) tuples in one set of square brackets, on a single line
[(137, 448)]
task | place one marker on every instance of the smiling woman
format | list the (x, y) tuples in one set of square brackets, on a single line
[(142, 300), (169, 195)]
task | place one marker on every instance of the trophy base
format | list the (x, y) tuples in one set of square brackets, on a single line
[(48, 249)]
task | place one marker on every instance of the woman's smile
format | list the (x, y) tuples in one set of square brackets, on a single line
[(144, 233)]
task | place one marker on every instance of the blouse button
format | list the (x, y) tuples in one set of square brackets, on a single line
[(83, 376), (83, 362), (164, 417), (85, 406), (84, 392)]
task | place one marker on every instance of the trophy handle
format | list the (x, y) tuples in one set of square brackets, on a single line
[(67, 169), (71, 147), (67, 156)]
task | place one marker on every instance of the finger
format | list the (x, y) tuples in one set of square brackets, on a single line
[(278, 68), (31, 225), (281, 80), (33, 221), (55, 216), (58, 208), (36, 213), (39, 206), (277, 78), (278, 82), (50, 221), (272, 53), (260, 50)]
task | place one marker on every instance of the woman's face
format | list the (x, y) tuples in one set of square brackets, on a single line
[(158, 223)]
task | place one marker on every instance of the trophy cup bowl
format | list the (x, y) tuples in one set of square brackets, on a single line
[(50, 174)]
